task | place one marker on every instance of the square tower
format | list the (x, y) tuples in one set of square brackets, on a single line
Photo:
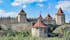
[(22, 16), (60, 17)]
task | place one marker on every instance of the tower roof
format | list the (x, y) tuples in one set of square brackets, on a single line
[(48, 16), (22, 12), (40, 17), (39, 23), (60, 11)]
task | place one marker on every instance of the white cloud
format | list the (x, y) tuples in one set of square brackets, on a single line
[(1, 11), (40, 5), (16, 3), (24, 6), (20, 2), (6, 14), (1, 1), (65, 5), (12, 14)]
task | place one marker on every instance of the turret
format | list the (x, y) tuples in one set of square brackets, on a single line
[(40, 17), (39, 22), (39, 29), (22, 16), (60, 17), (22, 12), (48, 17)]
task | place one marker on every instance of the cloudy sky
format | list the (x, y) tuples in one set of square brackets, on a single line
[(34, 8)]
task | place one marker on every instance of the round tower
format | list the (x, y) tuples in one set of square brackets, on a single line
[(22, 16), (39, 28), (60, 17)]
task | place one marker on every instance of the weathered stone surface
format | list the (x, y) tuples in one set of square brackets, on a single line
[(21, 27)]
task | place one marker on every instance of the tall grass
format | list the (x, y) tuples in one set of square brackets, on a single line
[(11, 35)]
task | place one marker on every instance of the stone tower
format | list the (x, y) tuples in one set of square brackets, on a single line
[(22, 16), (40, 17), (60, 17), (48, 17), (39, 28), (49, 20)]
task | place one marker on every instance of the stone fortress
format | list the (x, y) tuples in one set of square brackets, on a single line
[(38, 26)]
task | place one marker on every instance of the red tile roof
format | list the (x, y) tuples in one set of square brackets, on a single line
[(60, 11), (39, 23), (48, 17)]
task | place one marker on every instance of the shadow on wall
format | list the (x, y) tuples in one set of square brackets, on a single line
[(3, 27)]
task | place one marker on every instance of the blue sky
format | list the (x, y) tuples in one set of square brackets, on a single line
[(34, 8)]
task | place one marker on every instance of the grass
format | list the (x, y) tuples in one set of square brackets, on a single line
[(11, 35), (28, 38)]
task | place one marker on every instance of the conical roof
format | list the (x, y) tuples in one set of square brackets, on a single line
[(40, 17), (48, 17), (39, 22), (22, 12), (60, 11)]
